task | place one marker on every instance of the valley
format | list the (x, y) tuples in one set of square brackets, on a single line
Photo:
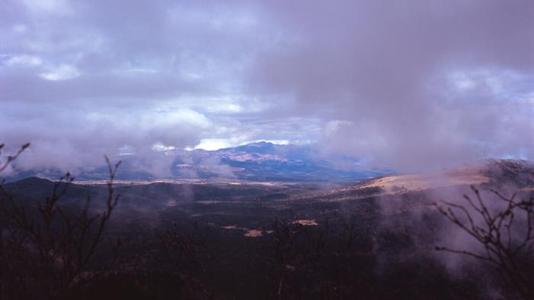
[(262, 233)]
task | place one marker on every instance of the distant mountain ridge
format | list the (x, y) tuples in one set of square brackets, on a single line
[(264, 161), (261, 161)]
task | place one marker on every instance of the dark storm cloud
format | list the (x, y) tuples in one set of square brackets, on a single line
[(411, 84), (386, 70)]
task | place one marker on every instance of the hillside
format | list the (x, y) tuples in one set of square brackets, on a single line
[(494, 174), (358, 237), (511, 175)]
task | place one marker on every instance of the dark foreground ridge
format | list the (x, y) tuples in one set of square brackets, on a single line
[(374, 239)]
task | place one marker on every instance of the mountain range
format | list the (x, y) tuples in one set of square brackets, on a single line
[(261, 161)]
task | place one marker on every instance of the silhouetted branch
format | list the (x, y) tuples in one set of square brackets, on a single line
[(499, 233), (64, 241), (11, 158)]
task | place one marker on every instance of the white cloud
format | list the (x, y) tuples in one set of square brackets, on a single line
[(175, 118), (25, 60), (61, 72), (48, 6), (212, 144), (159, 147), (224, 105), (20, 28)]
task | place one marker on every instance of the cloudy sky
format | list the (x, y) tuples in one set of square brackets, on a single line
[(408, 84)]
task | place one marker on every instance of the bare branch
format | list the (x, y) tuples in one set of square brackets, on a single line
[(495, 232), (12, 158)]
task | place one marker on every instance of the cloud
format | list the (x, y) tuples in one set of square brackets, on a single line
[(417, 85), (24, 60), (382, 71), (62, 72)]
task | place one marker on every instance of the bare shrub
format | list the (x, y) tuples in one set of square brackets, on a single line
[(505, 232), (47, 248)]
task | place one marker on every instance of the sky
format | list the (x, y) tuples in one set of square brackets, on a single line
[(406, 84)]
